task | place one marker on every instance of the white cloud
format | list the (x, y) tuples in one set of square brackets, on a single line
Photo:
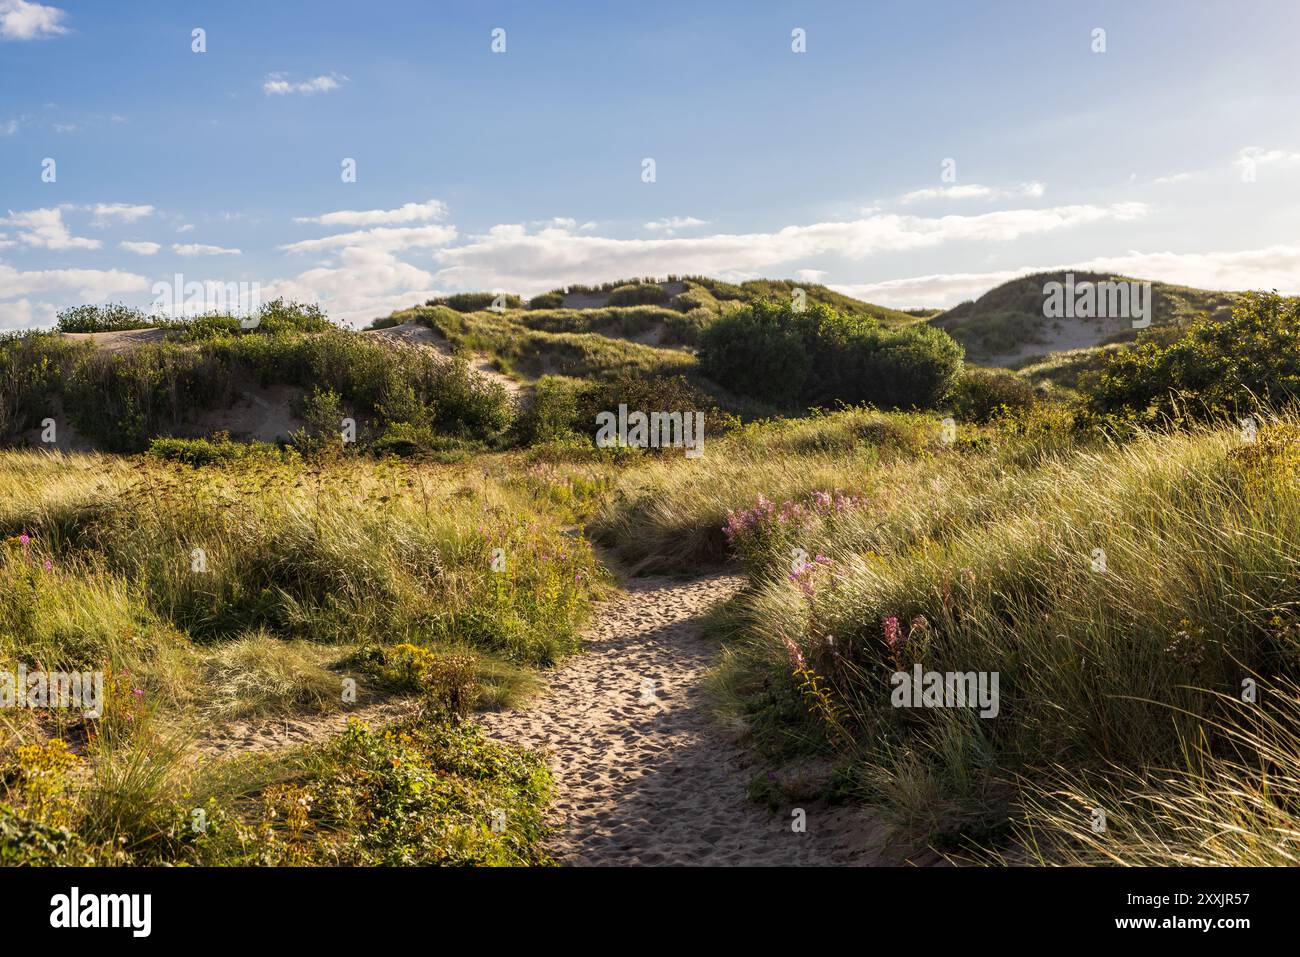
[(670, 224), (87, 284), (1250, 158), (1271, 267), (140, 249), (277, 84), (122, 212), (509, 257), (198, 249), (44, 229), (408, 213), (1032, 190), (385, 238), (185, 228), (363, 285), (23, 315), (21, 20), (8, 128)]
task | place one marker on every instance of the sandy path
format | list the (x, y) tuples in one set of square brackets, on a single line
[(643, 773)]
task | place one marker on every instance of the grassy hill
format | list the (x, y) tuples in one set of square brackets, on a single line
[(1006, 325)]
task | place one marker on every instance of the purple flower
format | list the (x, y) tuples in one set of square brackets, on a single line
[(893, 633)]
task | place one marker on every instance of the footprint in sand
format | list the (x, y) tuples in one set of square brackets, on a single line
[(642, 773)]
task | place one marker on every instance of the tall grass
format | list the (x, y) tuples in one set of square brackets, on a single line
[(1112, 665)]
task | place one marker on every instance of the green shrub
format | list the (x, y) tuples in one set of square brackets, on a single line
[(111, 318), (1220, 367), (651, 294), (980, 394), (551, 413), (547, 300), (200, 452), (476, 301), (773, 351)]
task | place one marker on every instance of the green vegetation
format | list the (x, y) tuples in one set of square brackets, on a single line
[(815, 356), (252, 587), (1220, 367), (123, 399), (1115, 548)]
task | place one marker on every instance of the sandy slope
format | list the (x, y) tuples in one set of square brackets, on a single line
[(643, 772)]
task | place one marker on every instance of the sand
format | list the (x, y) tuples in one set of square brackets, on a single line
[(644, 773), (271, 734)]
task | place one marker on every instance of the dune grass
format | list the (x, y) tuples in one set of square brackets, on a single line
[(258, 587), (1122, 592)]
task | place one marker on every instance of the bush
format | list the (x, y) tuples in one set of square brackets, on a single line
[(552, 413), (547, 300), (981, 394), (476, 301), (774, 352), (110, 318), (1219, 367), (200, 452), (650, 294)]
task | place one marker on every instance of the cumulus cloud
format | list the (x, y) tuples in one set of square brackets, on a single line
[(106, 213), (1032, 190), (670, 224), (278, 84), (408, 213), (45, 229), (509, 257), (140, 249), (23, 314), (385, 238), (22, 20), (88, 284), (199, 249), (363, 284)]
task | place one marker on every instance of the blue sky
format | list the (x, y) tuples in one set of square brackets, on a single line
[(1174, 154)]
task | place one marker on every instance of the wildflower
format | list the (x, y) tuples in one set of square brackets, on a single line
[(49, 566), (24, 538), (893, 633), (794, 654)]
